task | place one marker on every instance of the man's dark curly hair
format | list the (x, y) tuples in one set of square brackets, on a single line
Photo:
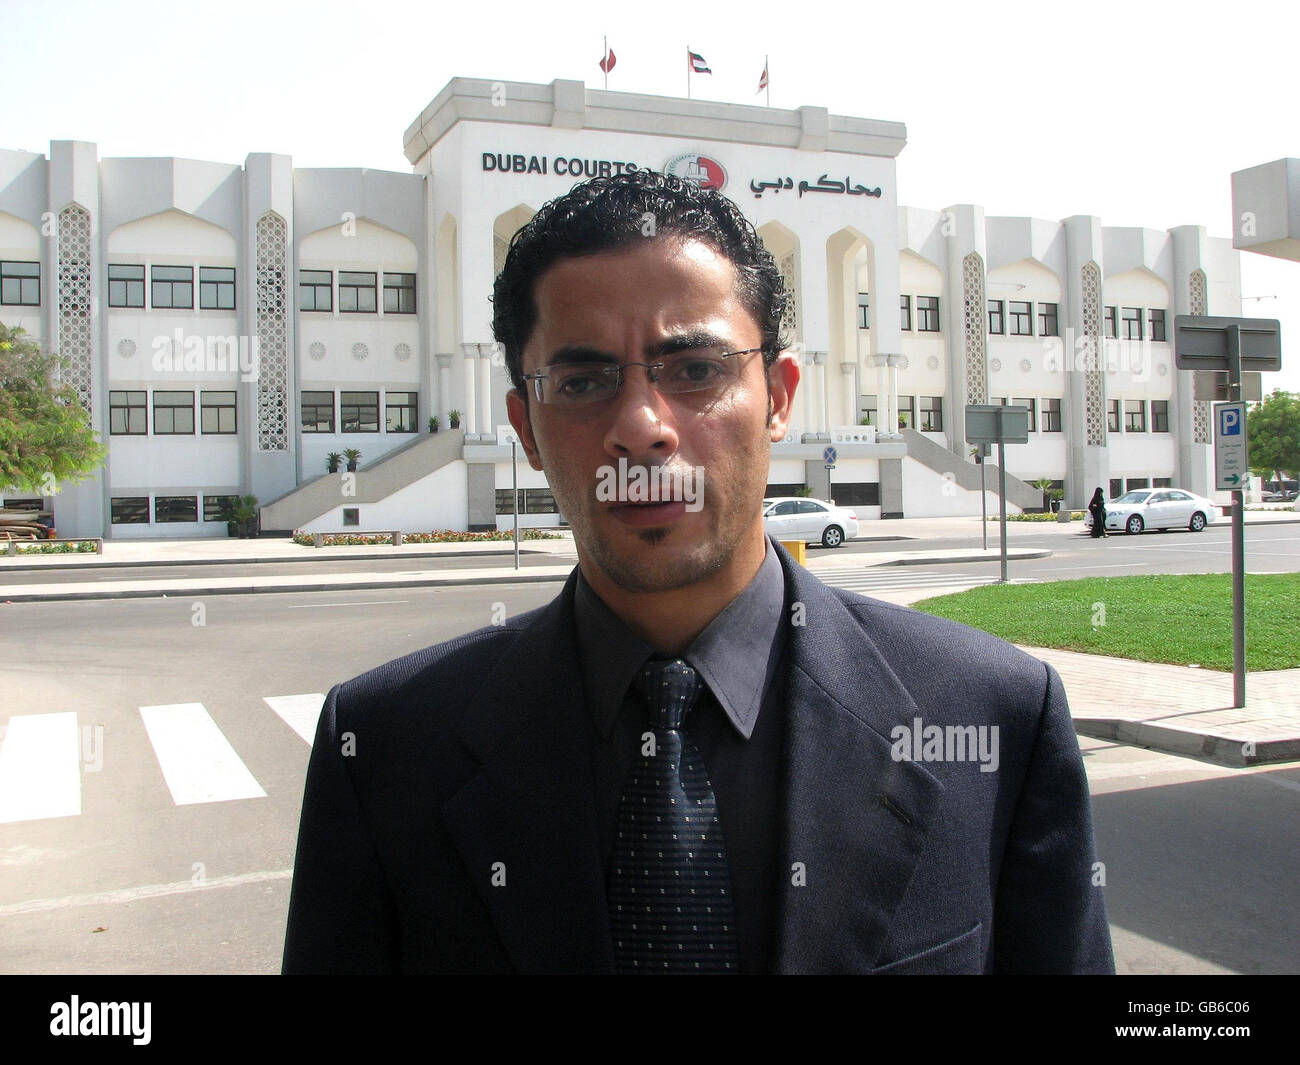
[(608, 213)]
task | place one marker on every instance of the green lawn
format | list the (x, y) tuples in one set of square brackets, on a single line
[(1182, 619)]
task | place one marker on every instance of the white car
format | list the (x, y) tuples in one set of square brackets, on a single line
[(810, 520), (1158, 508)]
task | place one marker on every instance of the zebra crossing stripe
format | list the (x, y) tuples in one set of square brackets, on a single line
[(40, 768), (197, 761), (299, 712)]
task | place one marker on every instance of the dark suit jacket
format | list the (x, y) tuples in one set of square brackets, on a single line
[(448, 820)]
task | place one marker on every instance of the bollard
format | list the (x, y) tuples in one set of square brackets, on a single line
[(798, 549)]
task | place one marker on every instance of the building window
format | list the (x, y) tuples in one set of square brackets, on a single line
[(1136, 482), (356, 292), (907, 412), (173, 413), (1047, 315), (175, 508), (127, 414), (931, 414), (1032, 404), (1021, 318), (1156, 323), (1112, 416), (864, 310), (997, 323), (1162, 482), (351, 515), (216, 508), (1160, 415), (129, 510), (857, 494), (217, 412), (1132, 319), (400, 412), (1135, 416), (1109, 327), (927, 314), (20, 284), (999, 401), (318, 412), (868, 412), (216, 288), (1116, 488), (531, 501), (905, 313), (315, 290), (359, 411), (172, 287), (125, 286), (1051, 415), (399, 294)]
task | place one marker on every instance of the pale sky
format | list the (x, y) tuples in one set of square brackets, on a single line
[(1134, 111)]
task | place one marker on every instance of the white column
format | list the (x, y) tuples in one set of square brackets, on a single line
[(487, 430), (848, 384), (469, 415), (819, 373), (896, 363), (443, 403), (886, 416), (808, 387)]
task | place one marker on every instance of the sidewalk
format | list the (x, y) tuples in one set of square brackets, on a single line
[(1170, 708)]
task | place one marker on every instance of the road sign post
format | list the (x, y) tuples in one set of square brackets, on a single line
[(997, 424), (1231, 346), (508, 433)]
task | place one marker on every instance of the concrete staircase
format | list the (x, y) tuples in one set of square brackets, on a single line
[(374, 481), (967, 474)]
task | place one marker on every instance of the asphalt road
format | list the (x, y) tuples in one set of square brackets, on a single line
[(1200, 861)]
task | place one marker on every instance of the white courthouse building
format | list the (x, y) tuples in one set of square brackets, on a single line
[(230, 326)]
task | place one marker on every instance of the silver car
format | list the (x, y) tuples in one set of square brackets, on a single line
[(1158, 508), (810, 520)]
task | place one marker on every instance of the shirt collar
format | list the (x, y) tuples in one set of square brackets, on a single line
[(736, 655)]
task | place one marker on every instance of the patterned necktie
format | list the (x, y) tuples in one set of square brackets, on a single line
[(670, 898)]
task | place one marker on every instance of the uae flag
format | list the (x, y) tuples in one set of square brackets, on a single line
[(607, 64), (762, 81), (696, 63)]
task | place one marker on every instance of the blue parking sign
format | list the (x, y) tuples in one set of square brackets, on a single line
[(1229, 421)]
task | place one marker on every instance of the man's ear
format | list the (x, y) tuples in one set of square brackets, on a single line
[(782, 381), (517, 408)]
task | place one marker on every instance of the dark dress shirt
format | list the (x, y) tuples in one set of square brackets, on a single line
[(737, 724)]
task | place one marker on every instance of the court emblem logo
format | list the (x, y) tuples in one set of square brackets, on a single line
[(704, 170)]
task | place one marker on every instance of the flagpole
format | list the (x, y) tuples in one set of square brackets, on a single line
[(689, 64), (767, 69), (605, 62)]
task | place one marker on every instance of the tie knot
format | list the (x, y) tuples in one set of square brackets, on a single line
[(669, 687)]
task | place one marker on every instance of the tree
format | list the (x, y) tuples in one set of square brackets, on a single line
[(45, 433), (1273, 434)]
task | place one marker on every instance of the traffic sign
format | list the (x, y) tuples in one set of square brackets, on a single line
[(982, 424), (1202, 343), (1212, 386), (829, 456), (1231, 469)]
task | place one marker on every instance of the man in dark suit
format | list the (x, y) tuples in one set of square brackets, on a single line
[(697, 758)]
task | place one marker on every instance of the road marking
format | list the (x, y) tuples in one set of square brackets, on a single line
[(299, 712), (148, 891), (368, 602), (197, 761), (40, 768)]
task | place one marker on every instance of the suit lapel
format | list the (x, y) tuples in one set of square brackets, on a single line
[(525, 824), (855, 818)]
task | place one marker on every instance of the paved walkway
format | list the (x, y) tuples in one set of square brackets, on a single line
[(1172, 708)]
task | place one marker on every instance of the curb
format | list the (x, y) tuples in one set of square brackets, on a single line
[(1018, 553), (261, 560), (267, 587), (1212, 748)]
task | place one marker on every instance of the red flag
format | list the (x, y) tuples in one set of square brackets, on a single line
[(607, 64), (762, 81)]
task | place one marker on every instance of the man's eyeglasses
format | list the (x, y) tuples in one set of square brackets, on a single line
[(577, 384)]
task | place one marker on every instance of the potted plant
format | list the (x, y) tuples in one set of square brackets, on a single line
[(434, 424), (453, 417), (332, 462), (1044, 485), (866, 419), (353, 456), (241, 517)]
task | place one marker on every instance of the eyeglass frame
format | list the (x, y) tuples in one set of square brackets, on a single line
[(619, 370)]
